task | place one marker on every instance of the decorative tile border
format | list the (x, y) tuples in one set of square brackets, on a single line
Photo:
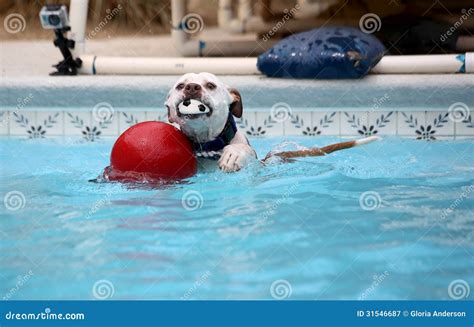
[(91, 126)]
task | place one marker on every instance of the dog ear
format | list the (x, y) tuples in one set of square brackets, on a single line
[(169, 114), (236, 107)]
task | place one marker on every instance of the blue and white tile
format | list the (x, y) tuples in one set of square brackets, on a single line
[(22, 121), (298, 122), (382, 122), (354, 123), (77, 123), (130, 118), (272, 126), (107, 124), (326, 123), (427, 125), (156, 114), (410, 121), (52, 122), (465, 126), (248, 124), (4, 121), (440, 122)]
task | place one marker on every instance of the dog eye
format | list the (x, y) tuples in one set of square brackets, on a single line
[(211, 86), (180, 86)]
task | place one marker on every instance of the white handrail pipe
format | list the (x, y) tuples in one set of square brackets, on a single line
[(167, 66), (424, 64), (78, 23)]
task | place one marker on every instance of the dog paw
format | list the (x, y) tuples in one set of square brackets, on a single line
[(234, 157)]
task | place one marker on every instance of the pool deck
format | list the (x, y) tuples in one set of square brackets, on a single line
[(425, 92), (25, 66)]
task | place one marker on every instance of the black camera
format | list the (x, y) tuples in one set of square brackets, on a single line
[(54, 17)]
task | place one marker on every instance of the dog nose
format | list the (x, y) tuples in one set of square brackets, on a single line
[(192, 88)]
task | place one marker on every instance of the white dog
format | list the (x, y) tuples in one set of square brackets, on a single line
[(213, 132), (212, 129)]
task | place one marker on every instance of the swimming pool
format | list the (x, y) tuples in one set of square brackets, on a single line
[(391, 220)]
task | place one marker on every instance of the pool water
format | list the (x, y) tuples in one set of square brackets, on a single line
[(366, 223)]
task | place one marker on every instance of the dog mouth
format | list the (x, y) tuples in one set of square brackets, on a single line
[(205, 108)]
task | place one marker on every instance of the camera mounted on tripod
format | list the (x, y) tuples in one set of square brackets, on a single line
[(55, 17)]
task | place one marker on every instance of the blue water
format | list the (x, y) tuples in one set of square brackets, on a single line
[(300, 226)]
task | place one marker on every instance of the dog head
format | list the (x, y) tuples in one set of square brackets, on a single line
[(209, 90)]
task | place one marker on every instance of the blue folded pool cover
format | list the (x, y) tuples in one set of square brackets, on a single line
[(323, 53)]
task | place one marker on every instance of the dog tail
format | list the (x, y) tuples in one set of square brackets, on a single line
[(367, 140), (349, 144), (316, 152)]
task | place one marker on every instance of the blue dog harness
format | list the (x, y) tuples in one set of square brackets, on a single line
[(213, 149)]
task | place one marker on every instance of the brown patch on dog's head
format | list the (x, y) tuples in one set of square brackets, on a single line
[(236, 107)]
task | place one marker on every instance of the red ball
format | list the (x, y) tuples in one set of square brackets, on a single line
[(151, 150)]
